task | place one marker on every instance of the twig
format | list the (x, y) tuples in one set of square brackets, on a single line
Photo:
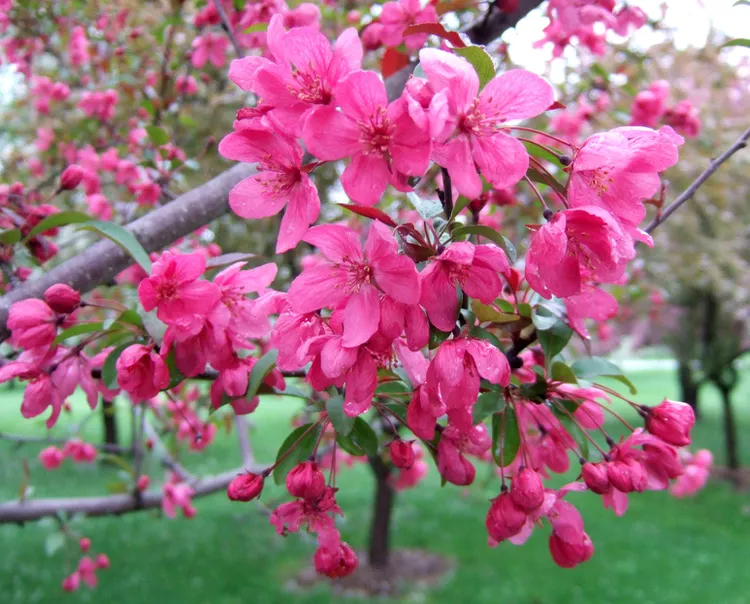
[(240, 425), (741, 143), (228, 28)]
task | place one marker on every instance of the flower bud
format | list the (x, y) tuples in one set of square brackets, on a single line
[(32, 324), (245, 487), (671, 421), (527, 490), (569, 554), (402, 454), (62, 298), (336, 562), (627, 475), (71, 582), (595, 477), (102, 561), (306, 481), (51, 458), (71, 177), (504, 518), (85, 544), (143, 482)]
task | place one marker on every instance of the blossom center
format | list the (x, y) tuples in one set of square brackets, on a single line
[(375, 134), (308, 87)]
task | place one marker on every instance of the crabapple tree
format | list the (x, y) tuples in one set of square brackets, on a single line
[(444, 233)]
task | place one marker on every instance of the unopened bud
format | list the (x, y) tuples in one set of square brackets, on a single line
[(306, 480), (62, 298), (527, 490), (245, 487), (402, 454), (71, 177)]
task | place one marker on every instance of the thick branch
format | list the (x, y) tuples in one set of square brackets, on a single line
[(497, 22), (741, 143), (101, 262), (34, 509)]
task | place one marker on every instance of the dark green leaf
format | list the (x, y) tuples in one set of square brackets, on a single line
[(486, 313), (157, 135), (594, 367), (56, 220), (364, 436), (480, 61), (600, 71), (505, 306), (483, 334), (302, 450), (562, 373), (437, 337), (175, 375), (394, 386), (109, 369), (738, 42), (10, 237), (348, 445), (461, 203), (487, 404), (524, 310), (77, 330), (505, 437), (553, 334), (398, 410), (130, 317), (340, 420), (261, 369), (122, 237), (148, 106)]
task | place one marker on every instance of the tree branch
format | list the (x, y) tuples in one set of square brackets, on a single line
[(741, 143), (227, 26), (496, 22), (34, 509)]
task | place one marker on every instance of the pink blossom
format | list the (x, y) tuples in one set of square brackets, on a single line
[(474, 268), (306, 480), (210, 47), (397, 16), (141, 372), (62, 298), (504, 519), (245, 487), (380, 138), (78, 47), (402, 453), (695, 476), (44, 139), (280, 182), (467, 125), (577, 244), (100, 206), (178, 495), (315, 514), (684, 118), (591, 303), (649, 105), (175, 289), (32, 323), (51, 458), (671, 421), (454, 444), (569, 544), (186, 85), (354, 280), (335, 562)]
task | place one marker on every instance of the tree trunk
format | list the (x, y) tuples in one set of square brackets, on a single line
[(688, 387), (380, 528), (730, 432), (109, 419)]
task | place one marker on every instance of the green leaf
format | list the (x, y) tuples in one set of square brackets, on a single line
[(302, 450), (741, 3), (130, 317), (56, 220), (488, 233), (342, 423), (487, 404), (543, 318), (261, 369), (398, 410), (524, 309), (122, 237), (148, 106), (394, 386), (600, 71), (348, 445), (505, 306), (157, 135), (109, 369), (10, 236), (175, 375), (541, 153), (78, 330), (738, 42), (594, 367), (563, 373), (437, 337), (486, 313), (553, 334), (461, 203), (53, 542), (427, 208), (255, 27), (480, 61), (483, 334), (505, 437), (364, 436)]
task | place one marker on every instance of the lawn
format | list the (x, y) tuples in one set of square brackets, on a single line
[(662, 551)]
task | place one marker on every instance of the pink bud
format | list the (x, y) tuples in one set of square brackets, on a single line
[(71, 582), (527, 490), (504, 518), (32, 323), (245, 487), (51, 458), (306, 481), (71, 177), (85, 544), (569, 554), (402, 454), (671, 421), (102, 561), (336, 562), (595, 477), (62, 298), (143, 482), (627, 475)]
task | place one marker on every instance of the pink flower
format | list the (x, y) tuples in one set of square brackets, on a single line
[(569, 544), (381, 138), (175, 290), (32, 324), (527, 490), (186, 85), (245, 487), (335, 562), (354, 280), (671, 421), (71, 177), (474, 268), (467, 128), (695, 476), (279, 182), (577, 244), (211, 48), (51, 458), (397, 16), (504, 519), (78, 47), (650, 105), (80, 451), (141, 372), (87, 571), (62, 298), (315, 514), (402, 453), (178, 495), (684, 118), (306, 480), (591, 303)]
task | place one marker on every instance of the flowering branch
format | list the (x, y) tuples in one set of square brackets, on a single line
[(741, 143)]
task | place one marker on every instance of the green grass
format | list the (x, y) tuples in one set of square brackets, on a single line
[(662, 551)]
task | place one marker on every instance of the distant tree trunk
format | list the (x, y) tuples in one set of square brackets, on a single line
[(109, 419), (688, 387), (730, 430), (380, 528)]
